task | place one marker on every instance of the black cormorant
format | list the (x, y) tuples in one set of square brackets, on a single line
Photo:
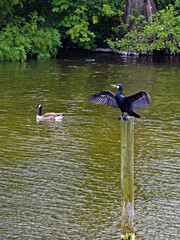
[(125, 103)]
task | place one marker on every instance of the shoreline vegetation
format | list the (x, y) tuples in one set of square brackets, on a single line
[(41, 30)]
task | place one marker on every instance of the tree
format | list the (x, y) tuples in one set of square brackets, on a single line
[(144, 7)]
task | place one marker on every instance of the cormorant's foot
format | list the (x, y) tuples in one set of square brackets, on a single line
[(123, 117)]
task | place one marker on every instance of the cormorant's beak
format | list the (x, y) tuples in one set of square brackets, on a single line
[(114, 85)]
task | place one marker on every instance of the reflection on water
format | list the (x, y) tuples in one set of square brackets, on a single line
[(61, 180)]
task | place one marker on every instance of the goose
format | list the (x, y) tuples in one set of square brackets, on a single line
[(48, 116)]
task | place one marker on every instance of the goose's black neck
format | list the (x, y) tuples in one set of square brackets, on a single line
[(40, 111)]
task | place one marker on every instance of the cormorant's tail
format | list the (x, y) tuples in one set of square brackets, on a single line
[(134, 114)]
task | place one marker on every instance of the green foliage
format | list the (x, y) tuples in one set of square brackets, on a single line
[(80, 23), (37, 28), (7, 9), (107, 10), (79, 28), (27, 38), (83, 23), (161, 4), (159, 33)]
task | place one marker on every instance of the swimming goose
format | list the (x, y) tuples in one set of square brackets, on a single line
[(48, 116)]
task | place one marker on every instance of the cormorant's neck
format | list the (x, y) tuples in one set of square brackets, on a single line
[(119, 91), (40, 111)]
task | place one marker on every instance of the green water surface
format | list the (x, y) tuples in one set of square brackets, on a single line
[(62, 180)]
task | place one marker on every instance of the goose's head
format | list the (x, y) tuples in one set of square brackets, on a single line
[(38, 105)]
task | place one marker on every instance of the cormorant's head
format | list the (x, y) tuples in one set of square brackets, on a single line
[(118, 86), (38, 105)]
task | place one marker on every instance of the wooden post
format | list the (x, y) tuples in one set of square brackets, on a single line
[(127, 177)]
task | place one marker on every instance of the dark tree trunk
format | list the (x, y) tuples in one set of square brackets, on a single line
[(144, 7)]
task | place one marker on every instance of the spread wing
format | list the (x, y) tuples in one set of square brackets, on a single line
[(138, 100), (105, 98)]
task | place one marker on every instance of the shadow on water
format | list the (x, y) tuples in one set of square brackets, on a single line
[(62, 180)]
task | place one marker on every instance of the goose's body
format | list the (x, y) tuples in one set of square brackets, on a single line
[(48, 116), (124, 103)]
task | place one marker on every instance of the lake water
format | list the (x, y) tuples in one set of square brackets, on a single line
[(62, 180)]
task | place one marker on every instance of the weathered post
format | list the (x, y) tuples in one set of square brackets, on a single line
[(127, 177)]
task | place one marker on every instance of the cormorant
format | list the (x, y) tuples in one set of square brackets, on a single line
[(48, 116), (125, 103)]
